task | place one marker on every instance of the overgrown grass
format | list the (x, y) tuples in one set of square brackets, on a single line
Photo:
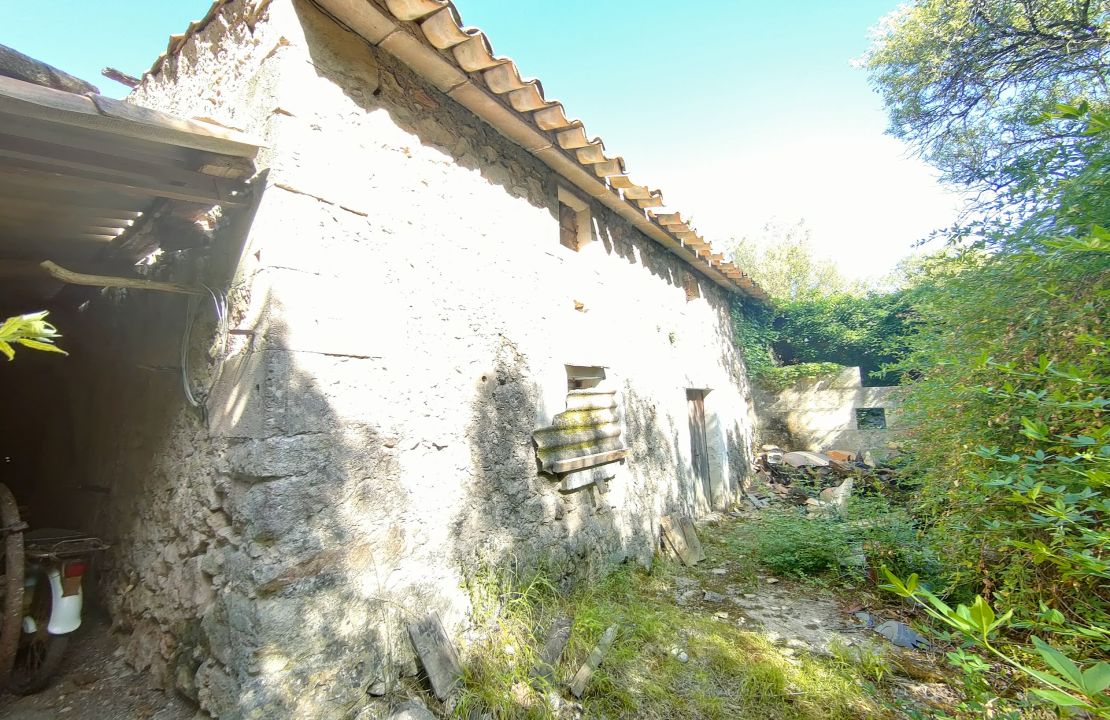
[(728, 673), (787, 542)]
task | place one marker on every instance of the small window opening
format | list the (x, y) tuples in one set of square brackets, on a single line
[(871, 418), (568, 227), (580, 377), (690, 284), (574, 221)]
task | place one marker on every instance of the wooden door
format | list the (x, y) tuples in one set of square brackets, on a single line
[(695, 405)]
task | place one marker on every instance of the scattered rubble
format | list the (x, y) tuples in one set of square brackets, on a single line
[(901, 634)]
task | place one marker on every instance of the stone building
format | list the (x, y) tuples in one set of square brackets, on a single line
[(834, 412), (457, 338)]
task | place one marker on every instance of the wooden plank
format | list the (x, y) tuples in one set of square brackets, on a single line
[(582, 677), (185, 158), (579, 479), (59, 215), (111, 116), (690, 535), (14, 191), (75, 278), (106, 161), (121, 77), (675, 538), (437, 655), (580, 463), (543, 672), (224, 140), (47, 176)]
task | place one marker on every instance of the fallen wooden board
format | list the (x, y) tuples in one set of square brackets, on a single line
[(437, 655), (679, 533), (554, 644), (582, 677), (691, 535)]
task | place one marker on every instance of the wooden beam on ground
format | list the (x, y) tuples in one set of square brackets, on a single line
[(680, 536), (437, 655), (582, 677)]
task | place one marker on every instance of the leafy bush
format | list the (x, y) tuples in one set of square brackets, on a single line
[(865, 330), (780, 377), (1007, 416), (790, 543)]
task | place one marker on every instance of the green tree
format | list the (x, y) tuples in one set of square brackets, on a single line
[(781, 259), (963, 79), (866, 330), (820, 321)]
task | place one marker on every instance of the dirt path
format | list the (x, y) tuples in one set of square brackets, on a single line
[(95, 683)]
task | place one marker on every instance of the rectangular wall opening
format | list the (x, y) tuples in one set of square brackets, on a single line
[(870, 418)]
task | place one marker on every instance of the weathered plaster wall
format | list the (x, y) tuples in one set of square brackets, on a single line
[(105, 443), (820, 414), (408, 313)]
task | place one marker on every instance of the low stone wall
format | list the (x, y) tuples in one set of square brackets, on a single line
[(820, 414)]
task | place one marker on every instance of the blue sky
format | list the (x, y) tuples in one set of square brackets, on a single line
[(742, 112)]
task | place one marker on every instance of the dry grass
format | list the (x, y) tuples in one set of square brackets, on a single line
[(730, 672)]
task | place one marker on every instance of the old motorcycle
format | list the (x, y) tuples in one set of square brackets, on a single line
[(42, 597)]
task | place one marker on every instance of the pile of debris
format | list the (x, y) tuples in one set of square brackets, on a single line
[(823, 482)]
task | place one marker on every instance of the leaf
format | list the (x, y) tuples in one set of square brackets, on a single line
[(982, 615), (1059, 699), (37, 345), (7, 350), (1059, 662), (1096, 678)]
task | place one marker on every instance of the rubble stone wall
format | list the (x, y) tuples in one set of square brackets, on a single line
[(404, 314), (820, 414)]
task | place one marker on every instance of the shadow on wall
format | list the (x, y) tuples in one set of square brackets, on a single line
[(327, 560), (656, 453)]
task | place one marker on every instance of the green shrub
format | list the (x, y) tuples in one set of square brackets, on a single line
[(790, 543)]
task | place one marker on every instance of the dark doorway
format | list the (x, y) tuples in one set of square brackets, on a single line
[(695, 404)]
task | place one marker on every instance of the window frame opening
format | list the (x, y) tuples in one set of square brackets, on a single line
[(870, 418), (575, 222)]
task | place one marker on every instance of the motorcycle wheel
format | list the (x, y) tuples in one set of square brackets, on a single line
[(40, 653), (11, 590), (37, 661)]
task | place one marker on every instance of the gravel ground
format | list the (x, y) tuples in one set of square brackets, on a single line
[(94, 683)]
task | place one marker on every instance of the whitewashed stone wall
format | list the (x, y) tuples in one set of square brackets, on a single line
[(405, 313), (819, 414)]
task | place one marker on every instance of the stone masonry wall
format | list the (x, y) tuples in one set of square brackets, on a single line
[(820, 414), (406, 313)]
